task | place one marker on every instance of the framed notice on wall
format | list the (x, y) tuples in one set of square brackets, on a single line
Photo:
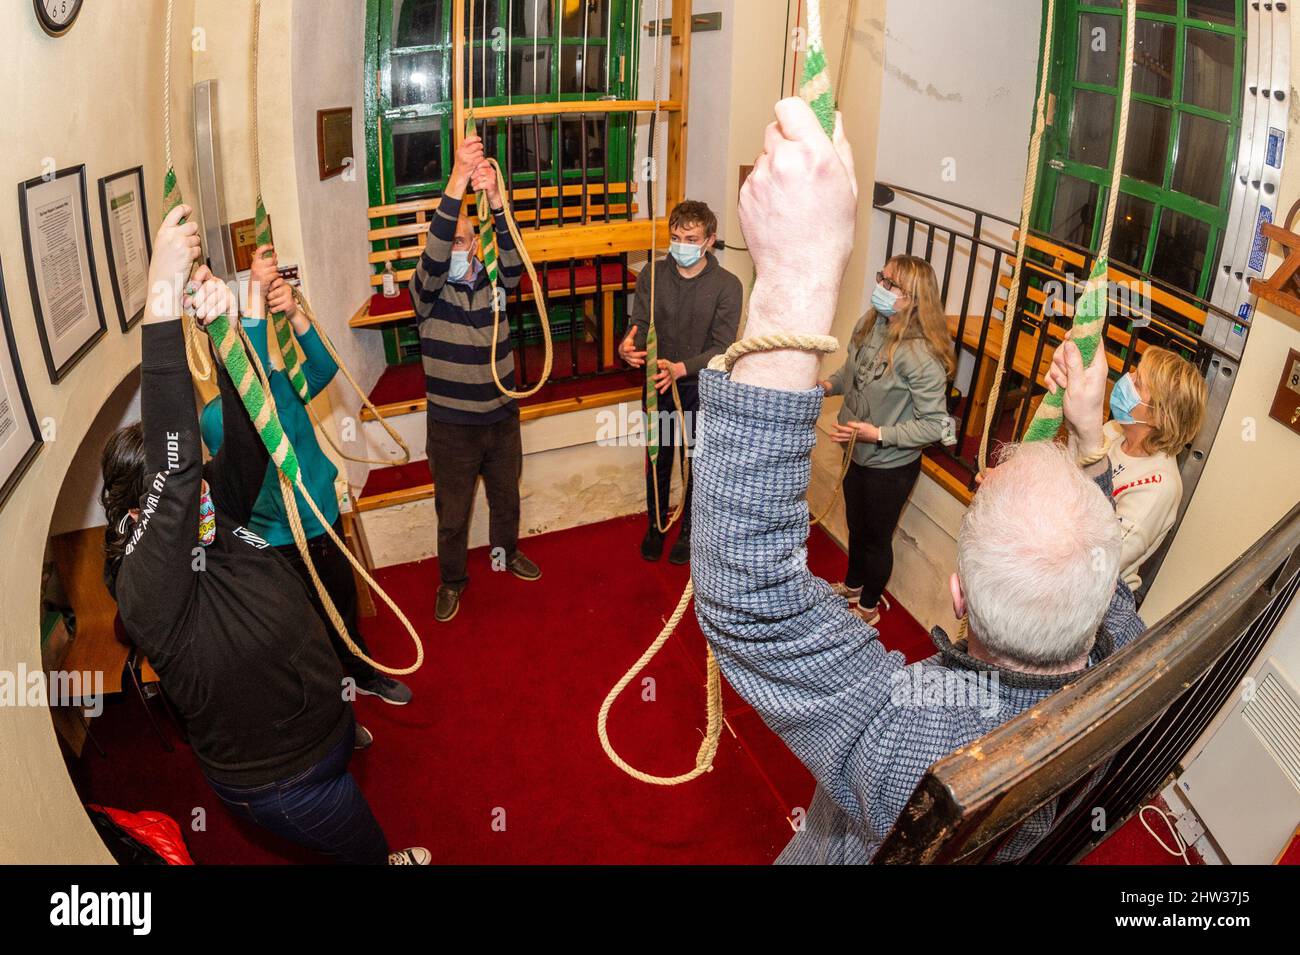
[(61, 267), (20, 438), (333, 140), (126, 233)]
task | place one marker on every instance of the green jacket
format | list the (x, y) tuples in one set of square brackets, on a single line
[(907, 402)]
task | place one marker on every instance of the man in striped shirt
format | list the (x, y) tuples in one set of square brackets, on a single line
[(473, 429)]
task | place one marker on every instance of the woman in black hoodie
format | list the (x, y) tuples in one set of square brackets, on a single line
[(222, 617)]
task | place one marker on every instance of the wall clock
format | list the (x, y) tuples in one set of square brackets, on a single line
[(57, 16)]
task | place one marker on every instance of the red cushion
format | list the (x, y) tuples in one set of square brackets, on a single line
[(557, 279), (380, 306)]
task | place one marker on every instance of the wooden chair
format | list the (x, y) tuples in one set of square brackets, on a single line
[(99, 644)]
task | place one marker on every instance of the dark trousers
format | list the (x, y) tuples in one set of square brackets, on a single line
[(321, 808), (336, 574), (458, 456), (670, 439), (873, 503)]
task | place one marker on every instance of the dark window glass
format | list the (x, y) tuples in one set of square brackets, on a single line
[(485, 73), (1148, 142), (1132, 226), (1153, 59), (530, 145), (1092, 128), (596, 15), (417, 152), (487, 16), (530, 71), (418, 78), (1168, 7), (1202, 149), (574, 141), (1074, 211), (1099, 46), (1181, 247), (531, 18), (1207, 70), (579, 72), (1216, 11), (418, 23)]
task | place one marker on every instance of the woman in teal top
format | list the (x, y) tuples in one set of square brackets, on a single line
[(270, 520)]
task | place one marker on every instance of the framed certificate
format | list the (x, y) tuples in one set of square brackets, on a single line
[(20, 438), (61, 267), (126, 233)]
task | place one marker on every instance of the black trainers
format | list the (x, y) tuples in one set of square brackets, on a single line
[(415, 856), (448, 604), (362, 738), (523, 568), (387, 689), (681, 552), (652, 545)]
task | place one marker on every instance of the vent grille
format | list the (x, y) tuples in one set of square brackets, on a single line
[(1274, 715)]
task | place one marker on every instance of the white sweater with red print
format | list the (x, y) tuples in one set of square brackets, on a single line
[(1147, 491)]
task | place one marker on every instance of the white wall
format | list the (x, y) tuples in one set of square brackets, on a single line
[(328, 71), (92, 96), (956, 107)]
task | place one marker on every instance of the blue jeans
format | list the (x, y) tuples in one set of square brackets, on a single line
[(321, 808)]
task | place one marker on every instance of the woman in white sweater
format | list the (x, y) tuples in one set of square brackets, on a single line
[(1156, 411)]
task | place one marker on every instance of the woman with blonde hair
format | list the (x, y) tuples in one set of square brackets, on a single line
[(1155, 412), (895, 386)]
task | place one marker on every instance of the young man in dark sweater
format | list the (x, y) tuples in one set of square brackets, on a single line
[(473, 428), (223, 618), (697, 314)]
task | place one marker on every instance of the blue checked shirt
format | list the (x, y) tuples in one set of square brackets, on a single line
[(866, 724)]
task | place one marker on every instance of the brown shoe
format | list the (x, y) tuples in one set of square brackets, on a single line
[(448, 604), (523, 568)]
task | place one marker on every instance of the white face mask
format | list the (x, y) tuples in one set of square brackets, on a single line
[(459, 266)]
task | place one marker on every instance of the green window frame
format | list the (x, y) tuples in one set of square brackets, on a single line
[(394, 113), (1081, 84)]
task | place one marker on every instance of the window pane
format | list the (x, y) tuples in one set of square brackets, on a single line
[(530, 145), (417, 22), (1168, 7), (531, 18), (1202, 148), (417, 152), (1099, 48), (1181, 249), (418, 78), (487, 15), (1132, 226), (597, 14), (530, 71), (1208, 73), (1148, 142), (1153, 59), (1092, 128), (1074, 211), (485, 72), (579, 73), (1216, 11), (573, 143)]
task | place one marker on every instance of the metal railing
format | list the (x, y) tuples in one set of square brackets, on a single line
[(955, 239)]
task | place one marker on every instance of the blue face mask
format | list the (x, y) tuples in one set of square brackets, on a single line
[(686, 254), (884, 301), (459, 265), (1124, 398)]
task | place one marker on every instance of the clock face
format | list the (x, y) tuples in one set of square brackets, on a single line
[(57, 16)]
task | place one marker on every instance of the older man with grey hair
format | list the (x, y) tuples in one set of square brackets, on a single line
[(1038, 554)]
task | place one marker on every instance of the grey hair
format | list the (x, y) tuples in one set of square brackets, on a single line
[(1038, 556)]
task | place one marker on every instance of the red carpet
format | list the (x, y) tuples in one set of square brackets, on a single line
[(503, 726)]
